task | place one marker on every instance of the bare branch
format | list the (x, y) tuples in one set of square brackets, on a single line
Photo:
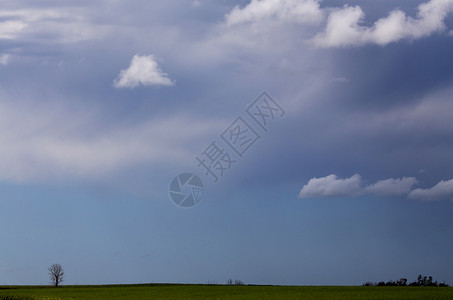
[(56, 274)]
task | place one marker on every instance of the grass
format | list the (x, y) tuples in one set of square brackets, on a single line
[(220, 292)]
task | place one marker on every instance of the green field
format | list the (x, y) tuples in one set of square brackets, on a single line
[(218, 292)]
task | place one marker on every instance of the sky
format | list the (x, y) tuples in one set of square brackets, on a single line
[(320, 131)]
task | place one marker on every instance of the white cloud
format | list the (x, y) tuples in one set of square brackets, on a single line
[(331, 186), (391, 187), (301, 11), (342, 28), (10, 29), (143, 70), (344, 25), (5, 59), (442, 190)]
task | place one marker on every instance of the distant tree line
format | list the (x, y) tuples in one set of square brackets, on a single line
[(421, 281), (236, 282)]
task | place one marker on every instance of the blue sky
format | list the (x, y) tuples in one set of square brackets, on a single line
[(103, 103)]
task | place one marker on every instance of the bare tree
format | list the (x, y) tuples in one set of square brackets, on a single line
[(56, 274)]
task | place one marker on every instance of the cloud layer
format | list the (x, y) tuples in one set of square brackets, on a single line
[(56, 141), (10, 29), (143, 70)]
